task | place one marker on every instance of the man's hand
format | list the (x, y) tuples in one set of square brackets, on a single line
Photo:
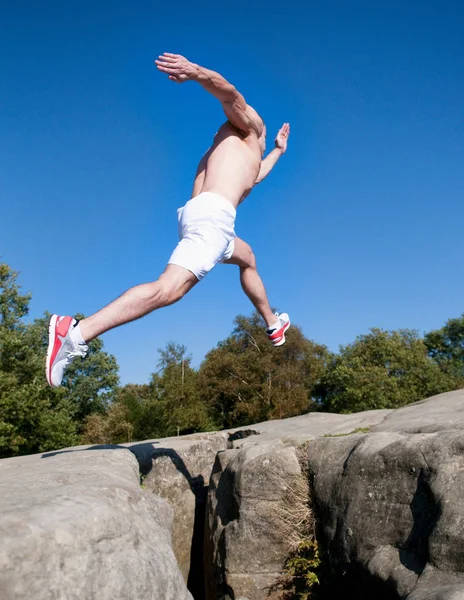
[(282, 137), (242, 116), (177, 67), (280, 147)]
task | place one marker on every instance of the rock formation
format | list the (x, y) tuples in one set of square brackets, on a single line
[(386, 488), (77, 526)]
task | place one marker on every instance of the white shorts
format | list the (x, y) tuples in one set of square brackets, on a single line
[(206, 233)]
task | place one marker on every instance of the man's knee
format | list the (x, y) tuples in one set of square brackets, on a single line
[(167, 292), (173, 284), (250, 258)]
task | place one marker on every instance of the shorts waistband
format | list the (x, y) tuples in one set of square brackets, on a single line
[(215, 200)]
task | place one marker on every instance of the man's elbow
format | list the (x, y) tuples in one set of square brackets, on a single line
[(230, 94)]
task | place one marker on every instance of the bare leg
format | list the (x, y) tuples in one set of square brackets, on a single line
[(252, 283), (140, 300)]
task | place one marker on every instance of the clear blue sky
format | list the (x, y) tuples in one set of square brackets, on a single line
[(360, 224)]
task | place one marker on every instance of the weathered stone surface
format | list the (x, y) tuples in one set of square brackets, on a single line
[(388, 500), (446, 592), (244, 552), (178, 470), (76, 525), (299, 430), (444, 412), (387, 486)]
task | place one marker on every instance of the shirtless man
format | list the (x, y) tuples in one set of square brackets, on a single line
[(226, 174)]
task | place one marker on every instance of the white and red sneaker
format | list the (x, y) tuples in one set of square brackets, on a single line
[(62, 349), (276, 333)]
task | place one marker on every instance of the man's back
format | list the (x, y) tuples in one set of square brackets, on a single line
[(230, 167)]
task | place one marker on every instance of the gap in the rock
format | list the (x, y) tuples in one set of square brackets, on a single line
[(196, 581)]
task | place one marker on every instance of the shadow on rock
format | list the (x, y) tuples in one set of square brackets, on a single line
[(425, 513)]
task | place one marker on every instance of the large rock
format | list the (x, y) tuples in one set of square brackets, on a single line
[(298, 430), (76, 525), (387, 486), (390, 502), (444, 412), (245, 550)]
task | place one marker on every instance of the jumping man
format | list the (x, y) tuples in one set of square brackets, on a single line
[(225, 176)]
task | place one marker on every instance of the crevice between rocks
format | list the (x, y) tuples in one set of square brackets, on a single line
[(240, 435), (198, 569)]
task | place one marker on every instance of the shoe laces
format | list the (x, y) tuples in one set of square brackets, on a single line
[(79, 350)]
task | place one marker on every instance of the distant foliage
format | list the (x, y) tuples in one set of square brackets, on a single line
[(172, 404), (246, 380), (33, 416), (446, 347), (178, 393), (383, 369), (113, 427)]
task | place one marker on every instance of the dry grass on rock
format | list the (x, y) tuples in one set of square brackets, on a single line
[(293, 521)]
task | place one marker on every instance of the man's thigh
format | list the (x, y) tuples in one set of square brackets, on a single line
[(242, 256)]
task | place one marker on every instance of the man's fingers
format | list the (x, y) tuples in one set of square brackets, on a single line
[(171, 55), (164, 58), (165, 63), (168, 70)]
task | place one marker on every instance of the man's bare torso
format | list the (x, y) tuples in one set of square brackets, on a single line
[(230, 167)]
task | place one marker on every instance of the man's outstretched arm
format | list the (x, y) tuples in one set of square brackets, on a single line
[(243, 116), (280, 147)]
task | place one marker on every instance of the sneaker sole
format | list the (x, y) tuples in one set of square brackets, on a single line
[(51, 343), (282, 341)]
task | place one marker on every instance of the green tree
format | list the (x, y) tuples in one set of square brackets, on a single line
[(144, 411), (13, 307), (446, 347), (33, 416), (136, 413), (383, 369), (90, 383), (180, 405), (113, 427), (245, 379), (171, 404), (13, 304)]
